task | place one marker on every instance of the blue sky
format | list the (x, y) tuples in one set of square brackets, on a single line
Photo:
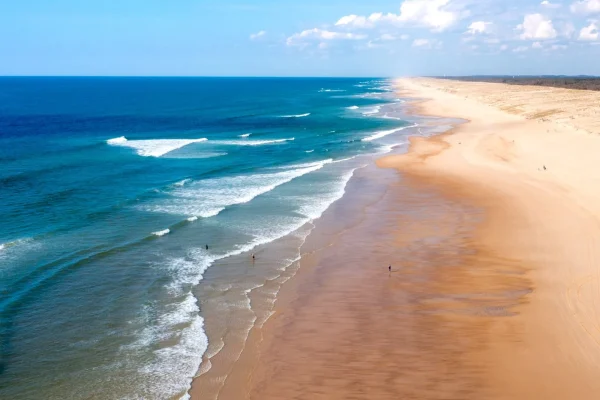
[(299, 38)]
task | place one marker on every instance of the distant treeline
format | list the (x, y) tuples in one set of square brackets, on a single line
[(569, 82)]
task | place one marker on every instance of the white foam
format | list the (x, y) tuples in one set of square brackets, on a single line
[(386, 116), (372, 110), (174, 367), (245, 135), (353, 108), (207, 198), (314, 209), (345, 159), (182, 182), (153, 147), (296, 116), (192, 219), (200, 155), (251, 142), (119, 140), (162, 233), (331, 90), (18, 247), (388, 148), (380, 134), (305, 165), (309, 151)]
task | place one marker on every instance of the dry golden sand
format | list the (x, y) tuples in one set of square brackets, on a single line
[(495, 292), (544, 169)]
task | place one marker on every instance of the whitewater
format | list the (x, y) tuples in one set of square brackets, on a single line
[(126, 260)]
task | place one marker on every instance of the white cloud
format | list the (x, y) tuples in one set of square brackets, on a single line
[(586, 7), (351, 20), (427, 43), (547, 4), (536, 26), (257, 35), (421, 43), (478, 27), (589, 33), (433, 14), (504, 47), (537, 45), (357, 21), (321, 34), (373, 45), (520, 49), (387, 37), (558, 47)]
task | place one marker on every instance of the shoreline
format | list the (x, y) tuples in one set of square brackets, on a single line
[(295, 297), (495, 293)]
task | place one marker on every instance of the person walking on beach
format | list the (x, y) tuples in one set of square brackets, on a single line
[(390, 268), (206, 247)]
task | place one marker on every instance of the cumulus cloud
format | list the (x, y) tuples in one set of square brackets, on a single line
[(433, 14), (548, 4), (589, 33), (479, 27), (357, 21), (321, 35), (520, 49), (558, 47), (504, 47), (537, 45), (586, 7), (536, 26), (257, 35)]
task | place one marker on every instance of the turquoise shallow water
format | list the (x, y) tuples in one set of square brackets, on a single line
[(111, 189)]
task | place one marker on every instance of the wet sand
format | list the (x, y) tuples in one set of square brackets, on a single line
[(356, 331), (494, 281)]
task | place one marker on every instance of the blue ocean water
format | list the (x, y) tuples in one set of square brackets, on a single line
[(111, 190)]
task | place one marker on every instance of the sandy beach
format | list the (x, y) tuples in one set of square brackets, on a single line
[(529, 156), (492, 231)]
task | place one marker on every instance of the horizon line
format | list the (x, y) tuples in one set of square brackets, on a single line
[(304, 77)]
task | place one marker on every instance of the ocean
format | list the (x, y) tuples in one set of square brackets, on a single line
[(131, 208)]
